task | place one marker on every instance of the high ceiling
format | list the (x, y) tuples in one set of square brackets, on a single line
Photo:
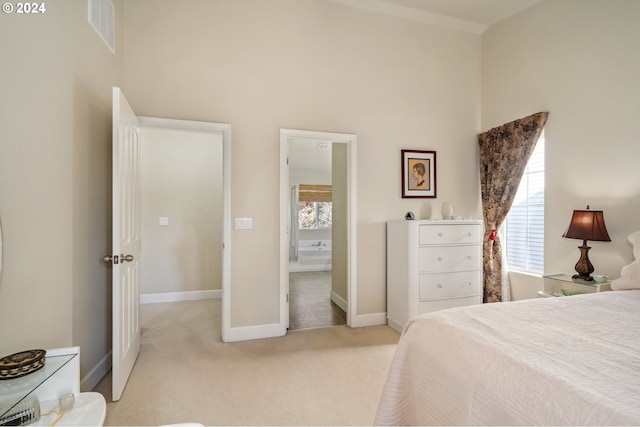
[(467, 15)]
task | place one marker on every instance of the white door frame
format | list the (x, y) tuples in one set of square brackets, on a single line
[(225, 130), (350, 140)]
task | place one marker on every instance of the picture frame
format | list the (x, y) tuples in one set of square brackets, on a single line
[(418, 174)]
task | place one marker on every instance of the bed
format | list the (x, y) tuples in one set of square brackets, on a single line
[(549, 361)]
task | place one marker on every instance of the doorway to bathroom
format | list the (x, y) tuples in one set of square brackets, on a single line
[(316, 247)]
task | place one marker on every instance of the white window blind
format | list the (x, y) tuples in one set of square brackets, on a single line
[(525, 222)]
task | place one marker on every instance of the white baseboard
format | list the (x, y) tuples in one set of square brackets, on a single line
[(296, 267), (93, 377), (339, 301), (246, 333), (180, 296), (373, 319), (395, 325)]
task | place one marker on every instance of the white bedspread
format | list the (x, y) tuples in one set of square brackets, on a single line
[(549, 361)]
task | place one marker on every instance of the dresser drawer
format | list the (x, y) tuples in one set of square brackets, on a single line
[(450, 285), (449, 234), (450, 258), (443, 304)]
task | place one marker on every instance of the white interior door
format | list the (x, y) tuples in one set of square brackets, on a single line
[(285, 235), (126, 243)]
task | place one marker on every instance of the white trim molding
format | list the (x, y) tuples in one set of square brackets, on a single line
[(180, 296), (373, 319), (416, 15), (245, 333), (339, 301), (93, 377)]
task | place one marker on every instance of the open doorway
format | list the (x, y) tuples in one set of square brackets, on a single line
[(316, 298), (317, 228), (197, 267), (181, 207)]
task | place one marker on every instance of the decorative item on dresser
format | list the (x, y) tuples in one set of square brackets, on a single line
[(432, 265), (447, 211)]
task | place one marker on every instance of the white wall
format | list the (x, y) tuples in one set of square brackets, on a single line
[(55, 182), (181, 179), (314, 65), (577, 59)]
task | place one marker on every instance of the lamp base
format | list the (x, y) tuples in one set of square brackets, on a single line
[(584, 268)]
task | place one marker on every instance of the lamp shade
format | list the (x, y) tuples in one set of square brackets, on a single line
[(587, 225)]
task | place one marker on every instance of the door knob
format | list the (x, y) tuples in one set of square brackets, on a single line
[(110, 259), (127, 258)]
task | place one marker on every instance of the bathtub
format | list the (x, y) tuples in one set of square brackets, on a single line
[(313, 255)]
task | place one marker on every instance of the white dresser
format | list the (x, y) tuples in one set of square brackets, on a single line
[(432, 265)]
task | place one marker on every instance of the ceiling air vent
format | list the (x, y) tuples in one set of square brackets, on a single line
[(101, 19)]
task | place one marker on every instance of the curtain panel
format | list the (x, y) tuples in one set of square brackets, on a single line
[(504, 153)]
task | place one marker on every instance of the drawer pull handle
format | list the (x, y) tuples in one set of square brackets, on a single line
[(439, 258), (468, 257), (467, 283), (469, 234), (440, 234), (439, 286)]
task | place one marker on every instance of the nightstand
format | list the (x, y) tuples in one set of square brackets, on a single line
[(562, 284)]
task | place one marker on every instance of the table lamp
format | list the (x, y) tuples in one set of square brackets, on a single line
[(586, 225)]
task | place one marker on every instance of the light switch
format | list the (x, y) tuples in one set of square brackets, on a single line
[(164, 220), (244, 223)]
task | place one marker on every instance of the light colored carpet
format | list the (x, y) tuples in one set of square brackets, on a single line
[(185, 373)]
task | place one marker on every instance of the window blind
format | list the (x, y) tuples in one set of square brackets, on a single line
[(314, 193), (525, 222)]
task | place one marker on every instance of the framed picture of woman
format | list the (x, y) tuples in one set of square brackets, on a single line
[(418, 174)]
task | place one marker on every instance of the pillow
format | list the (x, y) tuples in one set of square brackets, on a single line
[(623, 284), (630, 274)]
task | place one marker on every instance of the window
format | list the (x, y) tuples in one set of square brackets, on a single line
[(314, 215), (525, 222), (314, 206)]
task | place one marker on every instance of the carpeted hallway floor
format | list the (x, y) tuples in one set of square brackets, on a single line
[(185, 373)]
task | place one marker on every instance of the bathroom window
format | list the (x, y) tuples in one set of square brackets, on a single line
[(314, 215), (314, 206)]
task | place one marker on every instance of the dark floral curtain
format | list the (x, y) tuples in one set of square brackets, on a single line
[(504, 153)]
